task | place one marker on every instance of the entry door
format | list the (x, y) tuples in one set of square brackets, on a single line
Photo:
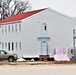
[(44, 48)]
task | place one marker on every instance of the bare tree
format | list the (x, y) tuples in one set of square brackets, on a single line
[(13, 7)]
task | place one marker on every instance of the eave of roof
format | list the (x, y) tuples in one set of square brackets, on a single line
[(21, 16)]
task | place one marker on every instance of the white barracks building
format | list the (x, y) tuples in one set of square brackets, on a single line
[(19, 33)]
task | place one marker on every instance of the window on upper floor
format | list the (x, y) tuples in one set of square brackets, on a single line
[(19, 27), (2, 30), (16, 27), (9, 29), (5, 29), (45, 27), (12, 28), (0, 26)]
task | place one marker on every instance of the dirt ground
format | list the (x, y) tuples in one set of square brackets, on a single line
[(37, 63), (37, 68)]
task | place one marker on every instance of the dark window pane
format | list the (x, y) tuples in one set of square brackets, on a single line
[(12, 46), (9, 46), (45, 27)]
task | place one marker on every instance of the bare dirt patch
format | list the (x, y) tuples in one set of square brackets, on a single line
[(37, 63)]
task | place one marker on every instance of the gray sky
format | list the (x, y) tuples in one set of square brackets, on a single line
[(67, 7)]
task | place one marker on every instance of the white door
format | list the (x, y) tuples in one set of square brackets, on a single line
[(44, 50)]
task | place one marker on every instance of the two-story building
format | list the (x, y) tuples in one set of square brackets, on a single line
[(19, 33)]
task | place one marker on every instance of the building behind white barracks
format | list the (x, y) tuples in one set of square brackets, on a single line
[(19, 33)]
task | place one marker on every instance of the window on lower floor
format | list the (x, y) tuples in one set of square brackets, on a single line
[(72, 51), (20, 45), (16, 45), (9, 46), (5, 45), (19, 27), (2, 45), (12, 46)]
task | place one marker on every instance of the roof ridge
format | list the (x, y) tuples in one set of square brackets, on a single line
[(62, 14)]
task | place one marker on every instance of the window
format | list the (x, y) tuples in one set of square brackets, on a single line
[(16, 45), (16, 27), (9, 29), (2, 45), (12, 28), (5, 45), (12, 46), (20, 27), (5, 29), (72, 51), (2, 30), (9, 46), (45, 27), (43, 41), (20, 45)]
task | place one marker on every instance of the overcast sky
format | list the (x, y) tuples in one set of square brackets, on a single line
[(67, 7)]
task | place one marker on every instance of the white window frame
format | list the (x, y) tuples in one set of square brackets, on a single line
[(12, 28), (2, 45), (2, 30), (12, 46), (5, 45), (9, 44), (19, 27), (16, 28), (16, 45), (5, 29), (9, 29), (20, 45)]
